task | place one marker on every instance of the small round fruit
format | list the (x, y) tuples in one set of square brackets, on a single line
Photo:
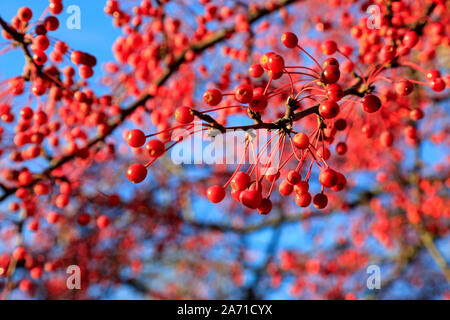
[(240, 181), (301, 140), (289, 40), (244, 93), (320, 201), (265, 207), (303, 200), (136, 138), (328, 178), (212, 97), (155, 148), (215, 193), (371, 103), (184, 115), (251, 198), (136, 173), (329, 109)]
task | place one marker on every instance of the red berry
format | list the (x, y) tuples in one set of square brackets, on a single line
[(329, 109), (301, 140), (341, 182), (51, 23), (25, 14), (184, 115), (103, 221), (215, 194), (329, 47), (36, 272), (240, 181), (330, 62), (410, 39), (335, 92), (275, 64), (41, 43), (303, 200), (285, 188), (387, 139), (328, 178), (244, 93), (40, 58), (264, 60), (293, 177), (55, 7), (155, 148), (371, 103), (404, 88), (83, 219), (212, 97), (77, 57), (340, 124), (341, 148), (265, 207), (301, 187), (320, 201), (416, 114), (85, 72), (289, 39), (437, 85), (259, 101), (256, 70), (136, 138), (136, 173), (432, 75), (251, 198), (331, 74)]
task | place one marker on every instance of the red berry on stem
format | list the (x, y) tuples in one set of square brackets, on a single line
[(303, 200), (256, 70), (136, 138), (328, 178), (410, 39), (289, 40), (371, 103), (329, 109), (341, 182), (25, 14), (240, 181), (335, 92), (215, 193), (251, 198), (331, 74), (285, 188), (301, 140), (155, 148), (184, 115), (404, 88), (276, 63), (329, 47), (320, 201), (136, 173), (265, 207), (212, 97), (244, 93), (293, 177), (301, 187)]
